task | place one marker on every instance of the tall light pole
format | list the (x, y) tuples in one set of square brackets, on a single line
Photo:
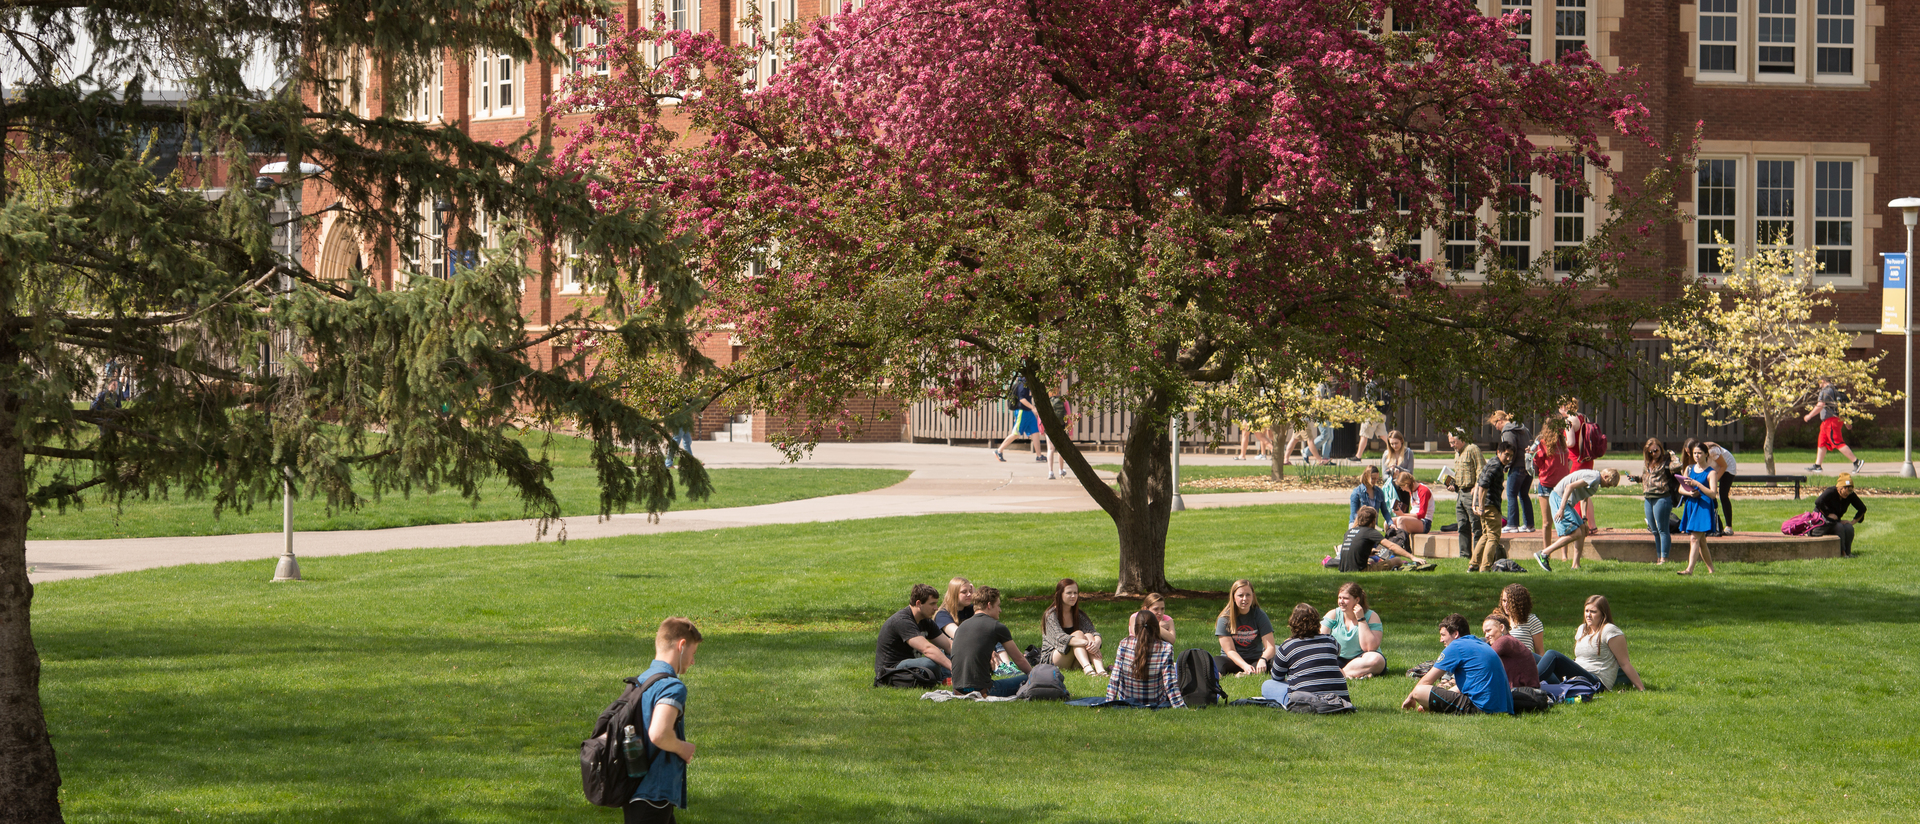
[(1910, 211), (1179, 504), (287, 568)]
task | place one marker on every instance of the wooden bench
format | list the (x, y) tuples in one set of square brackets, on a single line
[(1770, 480)]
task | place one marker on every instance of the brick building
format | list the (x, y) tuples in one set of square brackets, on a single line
[(1800, 103)]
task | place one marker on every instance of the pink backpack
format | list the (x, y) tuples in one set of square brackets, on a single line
[(1803, 523)]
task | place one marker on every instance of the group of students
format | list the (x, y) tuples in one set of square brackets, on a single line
[(961, 639)]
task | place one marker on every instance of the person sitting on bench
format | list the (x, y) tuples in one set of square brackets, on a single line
[(1476, 670), (1579, 485), (1832, 505), (974, 645), (906, 639)]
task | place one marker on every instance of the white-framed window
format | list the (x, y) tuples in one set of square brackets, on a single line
[(774, 16), (1538, 216), (1779, 41), (571, 263), (1746, 201), (586, 48), (349, 76), (498, 85), (681, 15), (425, 253), (1552, 28), (427, 101)]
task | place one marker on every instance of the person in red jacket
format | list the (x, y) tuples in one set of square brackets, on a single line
[(1551, 462)]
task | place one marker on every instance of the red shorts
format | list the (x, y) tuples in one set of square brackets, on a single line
[(1830, 437)]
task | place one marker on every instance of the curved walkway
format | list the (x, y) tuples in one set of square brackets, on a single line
[(945, 479)]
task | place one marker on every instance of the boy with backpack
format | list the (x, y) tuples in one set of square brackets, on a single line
[(663, 706)]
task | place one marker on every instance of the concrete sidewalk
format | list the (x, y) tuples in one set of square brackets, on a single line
[(945, 479)]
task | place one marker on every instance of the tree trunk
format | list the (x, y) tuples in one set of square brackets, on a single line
[(1771, 425), (29, 779), (1146, 494)]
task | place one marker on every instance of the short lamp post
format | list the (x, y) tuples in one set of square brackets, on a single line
[(1910, 211)]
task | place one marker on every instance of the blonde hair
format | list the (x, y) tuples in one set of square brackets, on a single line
[(951, 601), (1499, 417), (1609, 477), (1231, 612)]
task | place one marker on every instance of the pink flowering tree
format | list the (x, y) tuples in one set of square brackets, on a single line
[(923, 198)]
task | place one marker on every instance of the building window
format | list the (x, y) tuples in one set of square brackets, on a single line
[(774, 16), (1747, 201), (1765, 41), (1516, 220), (1716, 196), (497, 83), (586, 48), (1833, 216), (571, 263), (1569, 225), (425, 254), (1569, 27), (427, 101)]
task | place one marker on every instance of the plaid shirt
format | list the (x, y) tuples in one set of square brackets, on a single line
[(1161, 686)]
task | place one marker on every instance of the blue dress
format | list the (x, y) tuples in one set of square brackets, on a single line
[(1697, 514)]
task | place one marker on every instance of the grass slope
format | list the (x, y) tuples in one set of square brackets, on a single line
[(573, 483), (454, 685)]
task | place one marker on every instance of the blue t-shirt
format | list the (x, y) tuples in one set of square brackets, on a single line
[(1477, 671), (666, 779)]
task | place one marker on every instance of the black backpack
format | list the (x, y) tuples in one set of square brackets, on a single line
[(1199, 681), (605, 775), (914, 676), (1530, 699)]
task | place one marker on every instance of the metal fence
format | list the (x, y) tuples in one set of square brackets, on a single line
[(1627, 424)]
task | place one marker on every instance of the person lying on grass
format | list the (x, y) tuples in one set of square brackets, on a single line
[(663, 714), (1476, 670), (1599, 651), (1307, 661), (1143, 668), (975, 645), (1245, 633), (1067, 634), (906, 639), (1577, 487)]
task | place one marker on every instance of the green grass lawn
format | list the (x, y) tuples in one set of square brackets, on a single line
[(455, 685), (573, 484)]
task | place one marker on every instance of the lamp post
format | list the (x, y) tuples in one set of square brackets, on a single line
[(443, 212), (1179, 504), (1910, 211), (287, 568)]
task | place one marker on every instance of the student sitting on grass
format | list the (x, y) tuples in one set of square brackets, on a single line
[(1368, 493), (1356, 628), (980, 636), (1476, 670), (906, 639), (1306, 662), (1245, 633), (1516, 603), (1067, 635), (663, 714), (1599, 651), (1515, 658), (1832, 505), (1364, 549), (1143, 670), (1156, 604), (1577, 487), (955, 607)]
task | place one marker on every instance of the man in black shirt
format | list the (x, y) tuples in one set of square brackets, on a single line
[(1832, 505), (1487, 492), (907, 637), (973, 646)]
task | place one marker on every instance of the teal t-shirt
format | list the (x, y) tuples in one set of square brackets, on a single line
[(1348, 637)]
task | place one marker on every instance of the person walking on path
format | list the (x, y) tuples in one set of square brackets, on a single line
[(1658, 489), (1026, 424), (1467, 464), (1519, 477), (1486, 499), (1381, 398), (1827, 408)]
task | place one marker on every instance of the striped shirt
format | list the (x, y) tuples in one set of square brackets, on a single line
[(1310, 665), (1161, 687), (1524, 633)]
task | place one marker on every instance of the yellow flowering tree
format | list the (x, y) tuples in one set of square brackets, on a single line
[(1754, 350), (1283, 399)]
